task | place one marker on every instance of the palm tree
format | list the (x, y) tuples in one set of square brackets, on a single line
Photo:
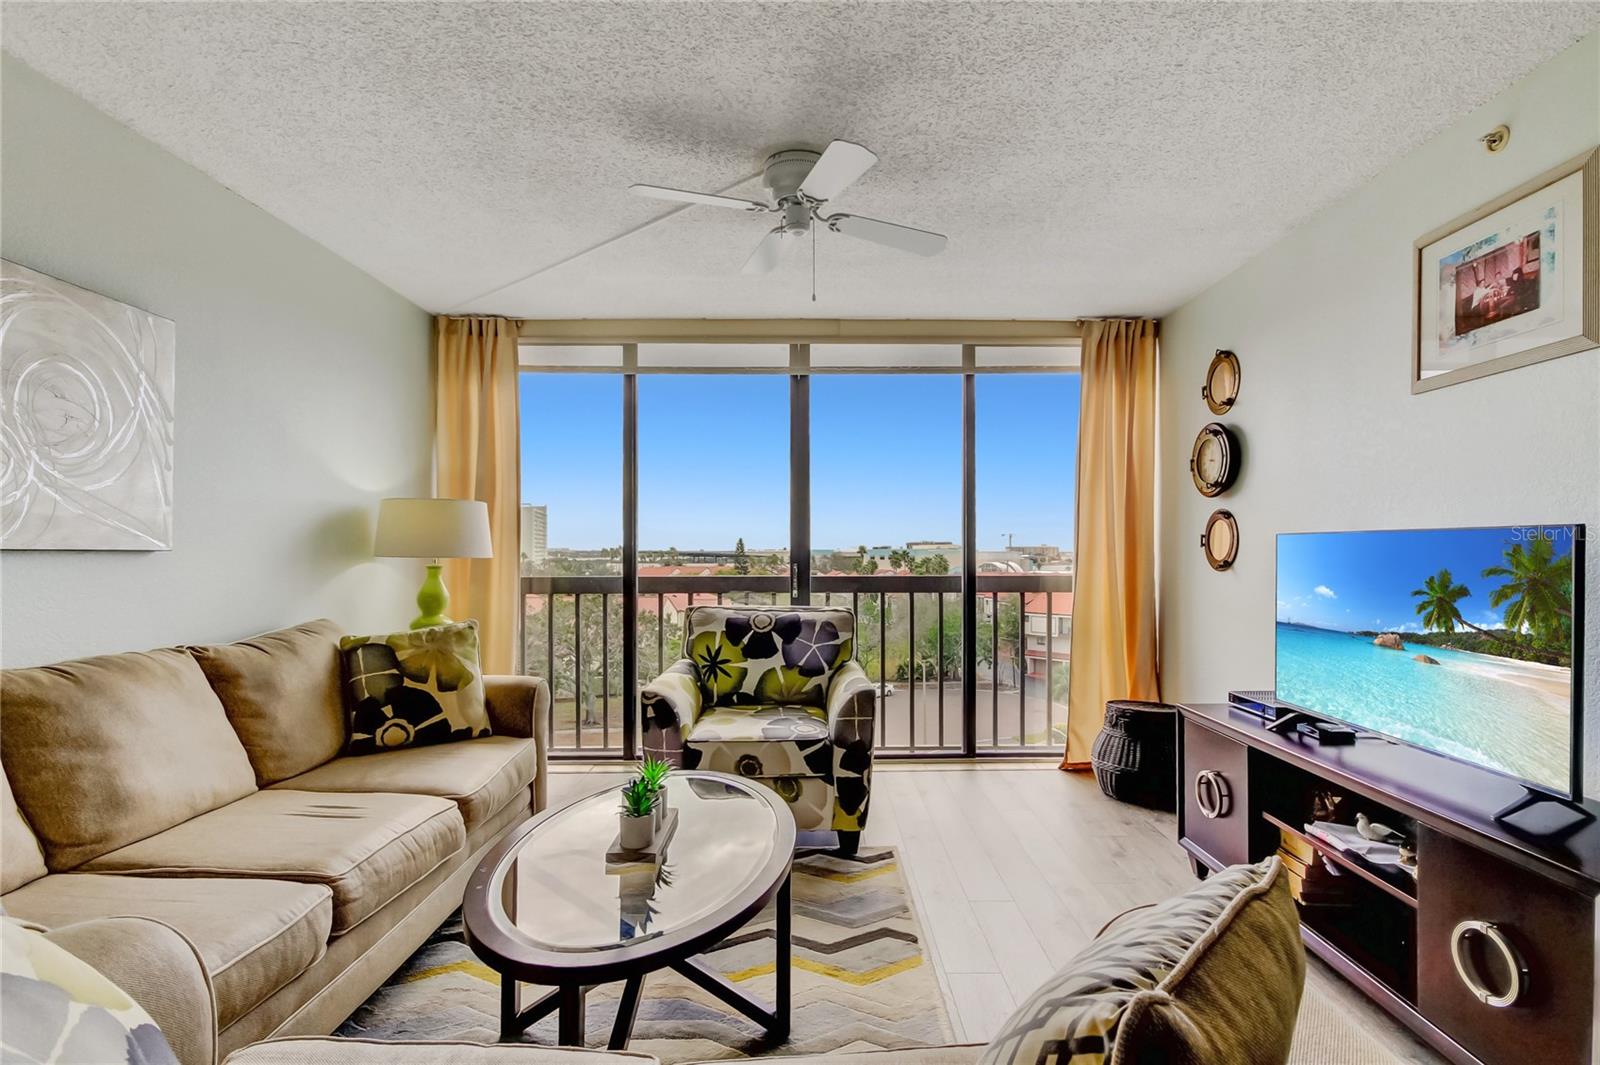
[(1537, 594), (1440, 594)]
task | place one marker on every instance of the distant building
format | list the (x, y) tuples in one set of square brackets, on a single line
[(535, 539)]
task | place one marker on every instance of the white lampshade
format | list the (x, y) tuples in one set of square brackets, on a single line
[(433, 528)]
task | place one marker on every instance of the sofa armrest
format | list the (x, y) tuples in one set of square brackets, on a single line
[(162, 971), (671, 706), (852, 707), (520, 706)]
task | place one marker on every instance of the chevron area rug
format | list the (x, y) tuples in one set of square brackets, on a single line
[(861, 980)]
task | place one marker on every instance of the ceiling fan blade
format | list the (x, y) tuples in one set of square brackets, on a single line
[(706, 199), (769, 253), (841, 163), (905, 238)]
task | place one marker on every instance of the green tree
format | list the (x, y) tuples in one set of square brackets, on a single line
[(1008, 639), (1537, 594), (741, 560), (931, 566), (1440, 594)]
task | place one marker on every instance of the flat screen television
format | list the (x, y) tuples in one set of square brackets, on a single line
[(1465, 642)]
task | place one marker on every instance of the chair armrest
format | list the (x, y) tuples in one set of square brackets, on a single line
[(520, 706), (160, 969), (671, 706), (852, 707)]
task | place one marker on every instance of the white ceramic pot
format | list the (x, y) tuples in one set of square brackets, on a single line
[(637, 832), (661, 810)]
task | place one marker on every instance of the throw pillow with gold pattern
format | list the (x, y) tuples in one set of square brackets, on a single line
[(410, 689)]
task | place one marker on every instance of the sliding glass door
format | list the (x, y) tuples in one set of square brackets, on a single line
[(886, 518), (938, 505)]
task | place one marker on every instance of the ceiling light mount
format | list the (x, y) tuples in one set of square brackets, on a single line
[(1496, 139), (800, 181)]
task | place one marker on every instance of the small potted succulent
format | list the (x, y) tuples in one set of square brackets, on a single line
[(638, 815), (653, 771)]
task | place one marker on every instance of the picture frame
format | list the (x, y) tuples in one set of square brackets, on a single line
[(1511, 283)]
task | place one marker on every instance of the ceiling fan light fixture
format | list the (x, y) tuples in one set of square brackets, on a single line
[(800, 182)]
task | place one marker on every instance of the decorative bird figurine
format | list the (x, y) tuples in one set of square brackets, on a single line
[(1376, 832)]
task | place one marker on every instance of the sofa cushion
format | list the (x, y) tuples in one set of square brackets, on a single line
[(253, 935), (410, 689), (21, 860), (482, 777), (323, 1051), (785, 655), (105, 751), (367, 848), (761, 741), (282, 693), (1167, 984)]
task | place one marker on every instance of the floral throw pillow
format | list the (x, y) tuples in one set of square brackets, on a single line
[(58, 1008), (410, 689)]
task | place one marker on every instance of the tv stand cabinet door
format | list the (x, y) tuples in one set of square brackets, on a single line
[(1216, 794), (1550, 928)]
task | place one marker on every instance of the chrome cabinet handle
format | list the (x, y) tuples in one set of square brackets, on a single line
[(1468, 973), (1212, 793)]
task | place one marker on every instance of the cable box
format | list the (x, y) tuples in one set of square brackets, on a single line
[(1263, 704)]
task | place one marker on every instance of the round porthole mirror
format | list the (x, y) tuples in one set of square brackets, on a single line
[(1222, 382), (1220, 541)]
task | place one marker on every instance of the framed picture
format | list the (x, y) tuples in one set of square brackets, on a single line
[(1515, 282)]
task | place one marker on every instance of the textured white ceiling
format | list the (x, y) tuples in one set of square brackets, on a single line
[(1085, 158)]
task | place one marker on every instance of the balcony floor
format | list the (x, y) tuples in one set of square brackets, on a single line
[(1014, 867)]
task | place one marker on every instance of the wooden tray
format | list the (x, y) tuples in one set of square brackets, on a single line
[(618, 859)]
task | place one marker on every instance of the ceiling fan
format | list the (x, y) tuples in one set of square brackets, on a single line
[(801, 182)]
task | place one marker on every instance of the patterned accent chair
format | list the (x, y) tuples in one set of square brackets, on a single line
[(775, 695)]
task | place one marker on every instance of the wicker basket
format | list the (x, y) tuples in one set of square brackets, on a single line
[(1135, 754)]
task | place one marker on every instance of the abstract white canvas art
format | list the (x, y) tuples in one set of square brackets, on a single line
[(86, 419)]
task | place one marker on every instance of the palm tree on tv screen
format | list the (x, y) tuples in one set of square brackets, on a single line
[(1537, 594), (1440, 594)]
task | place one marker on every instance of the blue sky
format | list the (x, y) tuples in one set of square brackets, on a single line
[(1363, 580), (885, 452)]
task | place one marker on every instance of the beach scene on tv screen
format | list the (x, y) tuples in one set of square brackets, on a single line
[(1457, 640)]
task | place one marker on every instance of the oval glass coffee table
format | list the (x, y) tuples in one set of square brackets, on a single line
[(547, 906)]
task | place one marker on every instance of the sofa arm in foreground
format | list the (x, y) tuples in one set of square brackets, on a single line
[(520, 706), (160, 969)]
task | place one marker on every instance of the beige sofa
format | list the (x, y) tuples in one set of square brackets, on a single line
[(201, 789)]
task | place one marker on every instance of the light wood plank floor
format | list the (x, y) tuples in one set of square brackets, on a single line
[(1014, 868)]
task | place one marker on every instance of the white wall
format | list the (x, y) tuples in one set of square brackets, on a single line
[(303, 396), (1332, 436)]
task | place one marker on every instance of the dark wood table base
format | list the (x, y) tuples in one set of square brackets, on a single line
[(567, 1001)]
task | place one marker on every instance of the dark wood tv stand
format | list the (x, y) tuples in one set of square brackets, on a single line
[(1516, 901)]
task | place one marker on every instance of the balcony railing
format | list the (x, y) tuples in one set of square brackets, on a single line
[(908, 637)]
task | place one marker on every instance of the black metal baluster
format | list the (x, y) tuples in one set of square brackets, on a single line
[(911, 681), (939, 607), (1049, 663), (1022, 674), (550, 664), (577, 670), (994, 668), (605, 670)]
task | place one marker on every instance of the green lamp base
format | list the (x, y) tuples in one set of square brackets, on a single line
[(432, 598)]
